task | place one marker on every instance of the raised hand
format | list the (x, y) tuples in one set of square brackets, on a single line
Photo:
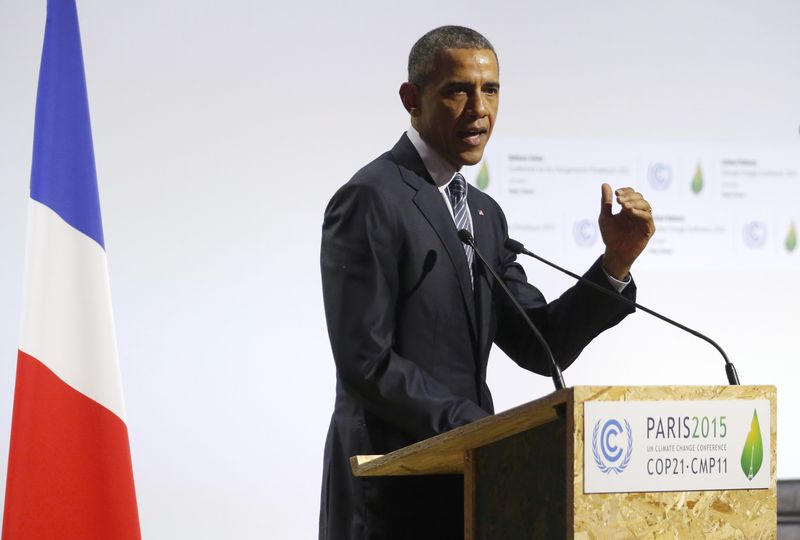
[(625, 233)]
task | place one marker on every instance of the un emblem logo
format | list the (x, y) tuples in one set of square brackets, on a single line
[(585, 232), (754, 234), (659, 175), (608, 456)]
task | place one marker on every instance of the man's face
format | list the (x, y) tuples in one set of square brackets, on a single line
[(455, 110)]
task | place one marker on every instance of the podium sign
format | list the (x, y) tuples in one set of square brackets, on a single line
[(653, 446)]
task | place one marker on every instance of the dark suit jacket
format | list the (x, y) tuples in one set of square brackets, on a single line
[(411, 339)]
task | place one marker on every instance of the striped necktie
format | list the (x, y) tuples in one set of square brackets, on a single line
[(457, 191)]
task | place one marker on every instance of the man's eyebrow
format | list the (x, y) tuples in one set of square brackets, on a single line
[(453, 85)]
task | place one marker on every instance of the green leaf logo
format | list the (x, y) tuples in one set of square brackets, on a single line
[(697, 180), (482, 181), (753, 451), (791, 238)]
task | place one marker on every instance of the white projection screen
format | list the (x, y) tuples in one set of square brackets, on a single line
[(221, 129)]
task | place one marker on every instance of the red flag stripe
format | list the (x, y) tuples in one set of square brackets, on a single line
[(69, 474)]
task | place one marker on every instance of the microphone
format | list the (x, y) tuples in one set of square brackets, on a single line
[(730, 370), (555, 371)]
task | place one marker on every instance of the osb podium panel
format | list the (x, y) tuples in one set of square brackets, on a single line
[(746, 514)]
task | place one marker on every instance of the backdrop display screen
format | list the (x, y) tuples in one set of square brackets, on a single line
[(717, 207)]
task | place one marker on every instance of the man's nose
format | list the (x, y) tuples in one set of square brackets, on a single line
[(477, 104)]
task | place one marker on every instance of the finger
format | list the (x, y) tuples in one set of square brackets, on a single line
[(638, 203), (624, 192), (634, 200), (627, 194), (605, 200)]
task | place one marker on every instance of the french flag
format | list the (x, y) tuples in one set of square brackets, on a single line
[(69, 465)]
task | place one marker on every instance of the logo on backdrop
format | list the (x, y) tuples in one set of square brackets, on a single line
[(754, 234), (753, 451), (791, 238), (612, 445), (585, 232), (482, 180), (697, 180), (659, 175)]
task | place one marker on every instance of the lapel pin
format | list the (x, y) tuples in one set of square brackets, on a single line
[(480, 212)]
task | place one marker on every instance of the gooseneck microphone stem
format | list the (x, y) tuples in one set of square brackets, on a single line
[(730, 370), (555, 371)]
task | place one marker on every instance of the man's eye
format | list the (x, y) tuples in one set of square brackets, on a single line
[(492, 91), (456, 90)]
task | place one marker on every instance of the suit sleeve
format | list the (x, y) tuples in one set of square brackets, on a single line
[(568, 323), (361, 242)]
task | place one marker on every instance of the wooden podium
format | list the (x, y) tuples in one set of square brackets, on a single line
[(524, 474)]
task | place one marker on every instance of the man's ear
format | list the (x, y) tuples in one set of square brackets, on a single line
[(409, 95)]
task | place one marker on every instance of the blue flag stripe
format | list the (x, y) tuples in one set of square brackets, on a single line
[(63, 175)]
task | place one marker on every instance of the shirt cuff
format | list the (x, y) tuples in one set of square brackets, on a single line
[(618, 285)]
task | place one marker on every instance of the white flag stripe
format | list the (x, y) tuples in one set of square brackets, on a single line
[(67, 321)]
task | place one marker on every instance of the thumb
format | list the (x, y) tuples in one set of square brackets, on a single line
[(605, 200)]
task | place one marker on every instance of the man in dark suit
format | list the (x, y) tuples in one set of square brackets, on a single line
[(412, 316)]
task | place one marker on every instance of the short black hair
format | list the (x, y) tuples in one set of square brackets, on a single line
[(422, 58)]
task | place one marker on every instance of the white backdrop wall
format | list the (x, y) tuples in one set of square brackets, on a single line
[(221, 130)]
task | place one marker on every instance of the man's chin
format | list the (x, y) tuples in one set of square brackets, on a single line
[(465, 157), (471, 157)]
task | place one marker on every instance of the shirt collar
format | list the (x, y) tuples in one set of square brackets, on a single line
[(438, 167)]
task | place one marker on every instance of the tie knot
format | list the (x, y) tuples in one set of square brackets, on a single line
[(457, 187)]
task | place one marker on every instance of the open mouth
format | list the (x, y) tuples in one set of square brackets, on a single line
[(473, 136)]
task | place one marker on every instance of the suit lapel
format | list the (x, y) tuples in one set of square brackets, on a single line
[(429, 201)]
